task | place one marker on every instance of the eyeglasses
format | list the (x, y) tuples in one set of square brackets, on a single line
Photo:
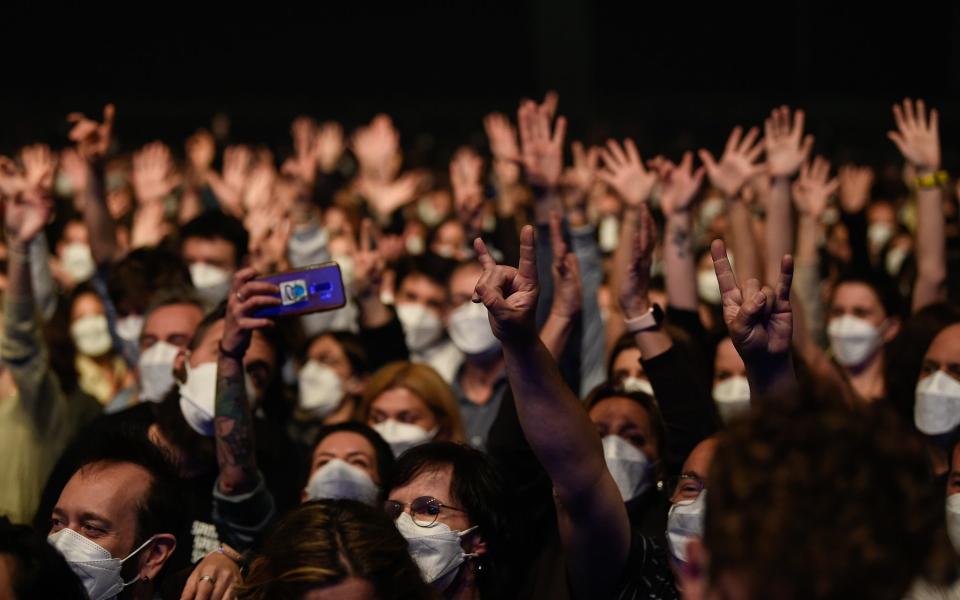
[(686, 487), (424, 509)]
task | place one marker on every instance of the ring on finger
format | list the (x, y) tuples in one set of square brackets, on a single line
[(209, 578), (240, 297)]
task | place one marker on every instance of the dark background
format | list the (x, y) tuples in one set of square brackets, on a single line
[(674, 75)]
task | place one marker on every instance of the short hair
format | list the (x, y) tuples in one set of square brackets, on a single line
[(161, 510), (610, 390), (882, 286), (350, 343), (134, 279), (217, 225), (426, 384), (478, 488), (39, 571), (813, 500), (384, 455), (172, 297), (325, 542)]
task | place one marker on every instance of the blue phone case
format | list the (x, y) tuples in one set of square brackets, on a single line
[(306, 290)]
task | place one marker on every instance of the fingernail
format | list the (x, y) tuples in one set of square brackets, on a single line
[(761, 297)]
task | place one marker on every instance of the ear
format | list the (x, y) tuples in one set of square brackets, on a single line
[(691, 576), (892, 329), (180, 366), (474, 543), (155, 556)]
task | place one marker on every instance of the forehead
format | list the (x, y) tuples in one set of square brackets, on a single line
[(700, 458), (421, 284), (113, 490), (197, 248), (432, 481), (946, 346), (618, 408), (855, 293), (342, 443), (727, 355), (397, 399), (181, 317), (87, 303), (325, 345)]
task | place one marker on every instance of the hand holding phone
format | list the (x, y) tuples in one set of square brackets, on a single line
[(306, 290)]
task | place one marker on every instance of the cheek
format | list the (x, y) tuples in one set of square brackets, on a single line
[(427, 420)]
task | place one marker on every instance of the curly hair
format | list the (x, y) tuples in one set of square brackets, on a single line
[(823, 502), (324, 543)]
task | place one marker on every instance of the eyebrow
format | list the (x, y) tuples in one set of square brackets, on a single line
[(92, 516)]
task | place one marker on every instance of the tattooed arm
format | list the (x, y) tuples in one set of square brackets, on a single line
[(233, 417), (679, 186)]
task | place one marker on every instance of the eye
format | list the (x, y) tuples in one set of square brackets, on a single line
[(638, 440), (360, 462), (56, 524), (928, 368), (92, 530)]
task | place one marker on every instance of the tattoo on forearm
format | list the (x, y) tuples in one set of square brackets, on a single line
[(680, 238), (233, 426)]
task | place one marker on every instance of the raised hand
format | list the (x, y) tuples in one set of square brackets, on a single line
[(201, 150), (502, 136), (580, 177), (785, 144), (466, 168), (386, 197), (228, 187), (567, 298), (917, 136), (377, 148), (368, 265), (25, 215), (92, 138), (510, 294), (12, 181), (541, 145), (625, 173), (247, 294), (814, 187), (149, 226), (854, 184), (759, 319), (328, 146), (153, 174), (39, 165), (738, 163), (679, 184)]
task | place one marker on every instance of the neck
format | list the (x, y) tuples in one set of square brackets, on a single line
[(464, 586), (867, 379), (478, 378)]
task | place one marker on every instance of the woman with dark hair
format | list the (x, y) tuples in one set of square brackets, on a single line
[(350, 461), (335, 549), (449, 502)]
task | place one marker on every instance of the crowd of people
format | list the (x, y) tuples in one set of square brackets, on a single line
[(549, 354)]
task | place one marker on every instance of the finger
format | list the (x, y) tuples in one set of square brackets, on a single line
[(258, 288), (109, 112), (799, 119), (204, 588), (698, 177), (686, 162), (224, 579), (934, 125), (579, 154), (750, 311), (366, 236), (491, 284), (769, 129), (616, 153), (707, 159), (556, 237), (807, 146), (734, 140), (242, 276), (786, 278), (898, 118), (750, 287), (528, 255), (769, 302), (550, 101), (190, 590), (922, 114), (748, 140), (721, 266), (559, 132), (908, 115), (632, 153), (483, 255), (754, 153), (897, 138)]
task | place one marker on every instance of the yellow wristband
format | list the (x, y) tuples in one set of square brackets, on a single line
[(932, 180)]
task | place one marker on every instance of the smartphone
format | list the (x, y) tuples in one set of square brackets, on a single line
[(306, 290)]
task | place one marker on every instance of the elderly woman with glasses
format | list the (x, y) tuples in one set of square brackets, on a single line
[(448, 501)]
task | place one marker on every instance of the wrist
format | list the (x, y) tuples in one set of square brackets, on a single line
[(636, 308), (236, 353)]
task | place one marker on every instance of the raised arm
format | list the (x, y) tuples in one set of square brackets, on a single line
[(233, 420), (760, 322), (679, 185), (85, 163), (918, 139), (567, 299), (786, 149), (592, 518)]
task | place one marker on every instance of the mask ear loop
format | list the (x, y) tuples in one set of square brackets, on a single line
[(137, 577), (464, 533)]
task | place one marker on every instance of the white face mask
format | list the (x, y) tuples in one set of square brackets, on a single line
[(635, 384), (421, 325), (937, 409), (685, 522), (853, 340), (710, 209), (428, 212), (347, 268), (78, 262), (629, 466), (894, 260), (708, 288), (338, 480), (879, 234), (470, 331), (414, 245), (320, 389), (732, 396), (129, 328), (156, 370), (212, 282), (198, 396), (91, 334), (436, 549), (953, 520), (608, 233), (93, 564), (403, 436)]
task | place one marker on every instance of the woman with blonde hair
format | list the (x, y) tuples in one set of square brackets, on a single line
[(409, 404)]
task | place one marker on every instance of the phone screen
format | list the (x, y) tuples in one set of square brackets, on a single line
[(307, 290)]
